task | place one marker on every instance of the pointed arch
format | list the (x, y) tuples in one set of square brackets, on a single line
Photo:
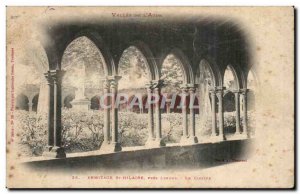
[(213, 69), (188, 77), (252, 72), (144, 49), (22, 102), (96, 39), (236, 78)]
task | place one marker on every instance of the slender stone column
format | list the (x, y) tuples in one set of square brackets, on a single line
[(114, 131), (213, 113), (30, 104), (158, 135), (106, 130), (151, 136), (192, 131), (168, 107), (50, 113), (245, 124), (237, 112), (57, 150), (185, 135), (221, 135)]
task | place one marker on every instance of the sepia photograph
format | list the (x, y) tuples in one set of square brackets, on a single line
[(150, 97)]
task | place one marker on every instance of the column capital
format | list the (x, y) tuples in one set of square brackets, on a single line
[(237, 91), (56, 75), (114, 78), (155, 84), (244, 91), (191, 85), (220, 88), (48, 78), (216, 89), (184, 88)]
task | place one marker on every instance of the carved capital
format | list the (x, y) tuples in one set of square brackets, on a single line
[(56, 75), (113, 81), (244, 91), (48, 78), (236, 91), (106, 84), (157, 83)]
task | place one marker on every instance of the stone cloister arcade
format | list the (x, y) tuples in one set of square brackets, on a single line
[(215, 44)]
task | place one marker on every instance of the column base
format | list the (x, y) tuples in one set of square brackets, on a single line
[(110, 147), (217, 138), (188, 140), (158, 142), (238, 136), (54, 152), (150, 142), (193, 140)]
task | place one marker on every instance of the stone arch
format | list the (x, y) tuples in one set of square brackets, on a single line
[(204, 87), (185, 65), (253, 89), (242, 79), (96, 39), (229, 102), (52, 53), (213, 70), (95, 103), (251, 100), (252, 73), (22, 102), (236, 79), (144, 49), (35, 101), (67, 101)]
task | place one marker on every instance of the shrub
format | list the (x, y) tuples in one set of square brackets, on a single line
[(83, 131)]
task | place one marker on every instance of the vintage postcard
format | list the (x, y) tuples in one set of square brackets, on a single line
[(150, 97)]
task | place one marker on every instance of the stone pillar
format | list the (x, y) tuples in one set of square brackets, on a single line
[(219, 93), (213, 113), (245, 124), (57, 150), (168, 107), (158, 136), (185, 134), (151, 136), (30, 104), (50, 142), (106, 101), (237, 112), (116, 146), (192, 130)]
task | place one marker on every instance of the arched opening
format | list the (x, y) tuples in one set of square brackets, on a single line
[(231, 84), (22, 102), (136, 105), (30, 74), (85, 71), (229, 102), (35, 100), (251, 85), (251, 101), (134, 69), (230, 79), (173, 76), (95, 103), (205, 80), (67, 101)]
